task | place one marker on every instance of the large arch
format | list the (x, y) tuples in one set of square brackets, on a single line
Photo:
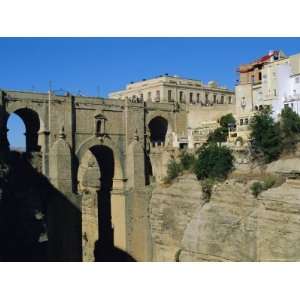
[(100, 184)]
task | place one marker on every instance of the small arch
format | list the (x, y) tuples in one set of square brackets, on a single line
[(16, 133), (31, 122), (158, 127)]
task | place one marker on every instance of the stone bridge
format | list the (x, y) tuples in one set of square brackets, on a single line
[(102, 155)]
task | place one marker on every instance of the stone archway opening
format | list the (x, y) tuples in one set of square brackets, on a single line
[(16, 133), (158, 127), (24, 121)]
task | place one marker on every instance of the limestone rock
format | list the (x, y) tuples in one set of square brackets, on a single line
[(171, 209), (288, 165), (224, 228)]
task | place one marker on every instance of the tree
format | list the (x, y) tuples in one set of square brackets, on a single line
[(266, 136), (220, 134), (213, 161), (226, 120), (290, 128)]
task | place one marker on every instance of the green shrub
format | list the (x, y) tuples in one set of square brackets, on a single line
[(173, 170), (219, 135), (207, 186), (256, 188), (269, 181), (213, 161), (187, 160)]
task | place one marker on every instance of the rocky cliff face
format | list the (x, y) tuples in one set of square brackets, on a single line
[(232, 226), (171, 210)]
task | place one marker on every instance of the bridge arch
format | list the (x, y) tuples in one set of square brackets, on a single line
[(32, 122), (118, 177), (100, 183)]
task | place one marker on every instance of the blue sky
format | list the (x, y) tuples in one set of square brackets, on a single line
[(84, 63)]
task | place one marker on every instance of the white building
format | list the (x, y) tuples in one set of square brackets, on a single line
[(288, 85)]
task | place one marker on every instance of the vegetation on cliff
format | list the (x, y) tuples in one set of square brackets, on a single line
[(269, 138), (213, 161), (290, 129), (266, 137)]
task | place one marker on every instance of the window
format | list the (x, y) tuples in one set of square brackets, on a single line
[(229, 100), (169, 95), (274, 92), (149, 95), (222, 99), (241, 122), (198, 98), (191, 97), (141, 97), (297, 80), (181, 96), (215, 98), (157, 95), (246, 121), (206, 98), (259, 76), (100, 121)]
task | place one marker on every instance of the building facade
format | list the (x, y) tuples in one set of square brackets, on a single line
[(204, 104), (270, 81)]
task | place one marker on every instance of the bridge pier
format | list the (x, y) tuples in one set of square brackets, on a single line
[(4, 144)]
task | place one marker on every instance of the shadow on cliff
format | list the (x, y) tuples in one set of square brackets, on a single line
[(104, 250), (37, 222)]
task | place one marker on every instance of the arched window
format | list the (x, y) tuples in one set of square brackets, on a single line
[(100, 125)]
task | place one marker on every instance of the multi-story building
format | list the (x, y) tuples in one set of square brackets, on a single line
[(263, 83), (203, 103), (166, 88)]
